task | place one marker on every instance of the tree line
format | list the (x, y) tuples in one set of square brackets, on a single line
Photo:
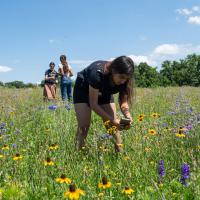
[(173, 73)]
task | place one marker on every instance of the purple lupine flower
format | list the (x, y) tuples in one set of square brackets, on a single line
[(190, 110), (2, 125), (106, 136), (14, 145), (161, 169), (171, 113), (185, 174), (188, 126), (52, 107)]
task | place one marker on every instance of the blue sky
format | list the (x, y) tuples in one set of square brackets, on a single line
[(36, 32)]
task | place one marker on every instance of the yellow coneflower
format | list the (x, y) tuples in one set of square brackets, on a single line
[(63, 179), (182, 129), (5, 147), (53, 146), (105, 183), (48, 162), (1, 155), (152, 132), (180, 134), (73, 193), (127, 191), (141, 116), (107, 124), (140, 119), (17, 156), (112, 130), (155, 115)]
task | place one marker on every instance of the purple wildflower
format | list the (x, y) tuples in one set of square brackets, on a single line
[(2, 125), (161, 170), (171, 113), (52, 107), (106, 136), (185, 173)]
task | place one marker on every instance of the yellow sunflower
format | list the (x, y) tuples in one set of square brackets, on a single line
[(73, 193), (17, 156), (1, 155), (127, 191), (105, 183), (63, 179)]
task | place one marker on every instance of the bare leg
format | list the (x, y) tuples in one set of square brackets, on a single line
[(83, 115), (111, 109)]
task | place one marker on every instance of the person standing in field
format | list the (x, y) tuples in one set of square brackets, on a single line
[(51, 78), (94, 89), (65, 71)]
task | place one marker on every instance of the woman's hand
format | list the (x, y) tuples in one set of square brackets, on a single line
[(116, 122)]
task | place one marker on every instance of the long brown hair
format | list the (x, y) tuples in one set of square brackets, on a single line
[(125, 65), (63, 60)]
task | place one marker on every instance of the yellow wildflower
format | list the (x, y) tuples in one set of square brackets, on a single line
[(5, 147), (17, 156), (152, 132), (105, 183), (180, 135), (48, 162), (53, 146), (63, 179), (127, 191), (73, 193)]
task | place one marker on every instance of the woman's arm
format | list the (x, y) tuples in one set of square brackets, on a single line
[(70, 72), (93, 98), (61, 71), (123, 102)]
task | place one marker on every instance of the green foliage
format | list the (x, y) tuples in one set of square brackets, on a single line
[(27, 122)]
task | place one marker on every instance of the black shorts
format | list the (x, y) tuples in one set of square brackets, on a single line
[(81, 94)]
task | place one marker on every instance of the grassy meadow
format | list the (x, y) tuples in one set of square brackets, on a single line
[(160, 158)]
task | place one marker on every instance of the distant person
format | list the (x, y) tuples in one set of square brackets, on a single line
[(65, 71), (94, 89), (51, 78)]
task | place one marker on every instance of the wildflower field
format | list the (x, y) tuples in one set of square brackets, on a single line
[(161, 156)]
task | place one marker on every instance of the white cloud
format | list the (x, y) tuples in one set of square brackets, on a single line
[(194, 20), (184, 11), (190, 14), (139, 59), (167, 49), (5, 69), (196, 8), (166, 52)]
